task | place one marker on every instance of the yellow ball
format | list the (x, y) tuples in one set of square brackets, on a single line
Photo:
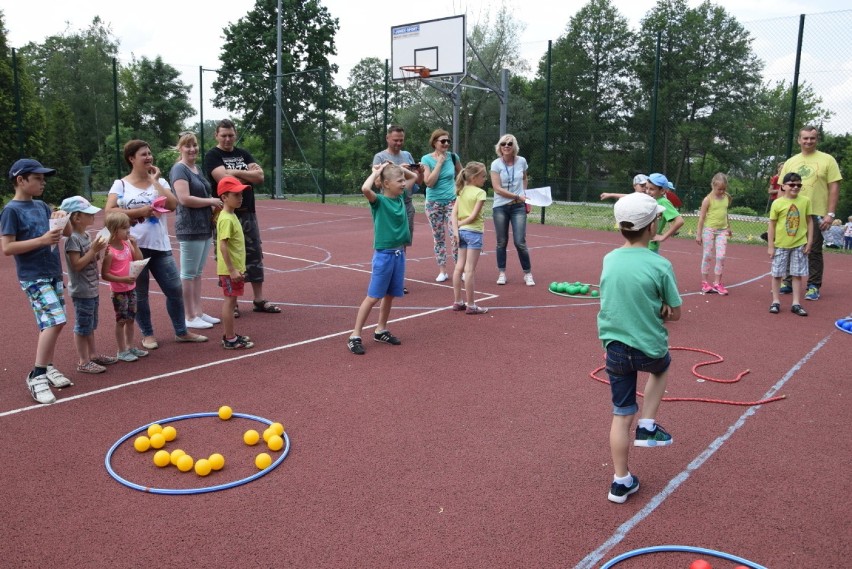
[(275, 443), (263, 461), (225, 412), (158, 440), (175, 455), (202, 467), (217, 461), (162, 458), (278, 428), (154, 429), (269, 432), (142, 443), (184, 463), (169, 433), (251, 437)]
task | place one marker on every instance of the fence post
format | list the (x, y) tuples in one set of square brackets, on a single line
[(653, 141), (547, 119), (795, 92), (115, 110)]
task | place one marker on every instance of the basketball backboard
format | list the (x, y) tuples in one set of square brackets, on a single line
[(438, 45)]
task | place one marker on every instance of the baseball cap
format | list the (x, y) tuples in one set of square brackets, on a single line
[(78, 203), (639, 179), (230, 184), (29, 166), (159, 204), (661, 181), (636, 211)]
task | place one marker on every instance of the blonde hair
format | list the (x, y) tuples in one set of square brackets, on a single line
[(115, 221), (836, 222), (389, 170), (468, 173), (186, 138), (720, 178), (508, 138)]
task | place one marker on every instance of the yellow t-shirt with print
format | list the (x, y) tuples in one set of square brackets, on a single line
[(817, 170), (791, 221)]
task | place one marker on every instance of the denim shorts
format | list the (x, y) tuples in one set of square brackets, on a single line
[(388, 273), (46, 300), (85, 315), (470, 239), (622, 366)]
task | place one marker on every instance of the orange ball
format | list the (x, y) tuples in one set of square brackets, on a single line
[(202, 467), (263, 461), (225, 412), (275, 443), (278, 428), (169, 433), (162, 458), (251, 437), (142, 443), (158, 440), (700, 564), (269, 432), (217, 461), (154, 429), (184, 463), (175, 455)]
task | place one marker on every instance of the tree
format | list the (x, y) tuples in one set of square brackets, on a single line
[(61, 152), (155, 102), (77, 68), (365, 101), (591, 91), (709, 79), (246, 80)]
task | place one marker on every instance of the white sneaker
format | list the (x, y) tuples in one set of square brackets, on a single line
[(210, 319), (40, 389), (528, 279), (56, 379), (501, 279), (198, 323), (442, 277)]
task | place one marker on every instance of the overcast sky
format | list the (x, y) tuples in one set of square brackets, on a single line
[(189, 34)]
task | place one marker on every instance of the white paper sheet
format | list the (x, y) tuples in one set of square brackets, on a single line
[(539, 197), (137, 266)]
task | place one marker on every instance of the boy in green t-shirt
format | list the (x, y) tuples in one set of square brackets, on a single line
[(790, 236), (231, 260), (656, 187), (638, 295), (391, 234)]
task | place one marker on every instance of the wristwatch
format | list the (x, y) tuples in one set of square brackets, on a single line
[(831, 215)]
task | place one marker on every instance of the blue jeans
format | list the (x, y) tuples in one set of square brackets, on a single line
[(516, 214), (162, 265), (623, 364)]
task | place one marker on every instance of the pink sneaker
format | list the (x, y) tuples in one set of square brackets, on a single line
[(720, 288), (706, 288)]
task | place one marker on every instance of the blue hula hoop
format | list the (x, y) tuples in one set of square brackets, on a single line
[(682, 549), (185, 491)]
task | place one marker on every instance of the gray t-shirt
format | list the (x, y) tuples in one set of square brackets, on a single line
[(85, 283), (192, 223)]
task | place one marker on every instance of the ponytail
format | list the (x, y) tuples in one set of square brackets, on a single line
[(470, 170)]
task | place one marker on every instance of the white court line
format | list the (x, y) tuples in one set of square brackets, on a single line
[(591, 560), (215, 363)]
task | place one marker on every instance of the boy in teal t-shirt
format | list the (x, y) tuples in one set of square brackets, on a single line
[(391, 234), (638, 295)]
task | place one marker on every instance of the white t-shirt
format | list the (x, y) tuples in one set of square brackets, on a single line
[(152, 232)]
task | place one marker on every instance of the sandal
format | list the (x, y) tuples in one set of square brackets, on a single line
[(265, 306), (798, 310), (774, 308)]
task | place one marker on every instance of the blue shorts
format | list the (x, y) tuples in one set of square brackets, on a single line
[(470, 239), (622, 366), (388, 274), (47, 301), (85, 315)]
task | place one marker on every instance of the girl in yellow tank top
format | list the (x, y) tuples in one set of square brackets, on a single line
[(714, 228)]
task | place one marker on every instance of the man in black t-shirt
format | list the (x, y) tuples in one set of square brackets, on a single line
[(225, 159)]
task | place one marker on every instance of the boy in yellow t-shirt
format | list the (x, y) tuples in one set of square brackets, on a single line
[(231, 261), (790, 235)]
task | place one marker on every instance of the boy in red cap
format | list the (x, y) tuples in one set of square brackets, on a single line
[(231, 260)]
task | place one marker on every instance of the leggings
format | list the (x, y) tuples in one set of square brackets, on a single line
[(440, 216), (711, 238)]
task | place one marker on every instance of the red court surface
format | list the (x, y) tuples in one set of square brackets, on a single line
[(481, 442)]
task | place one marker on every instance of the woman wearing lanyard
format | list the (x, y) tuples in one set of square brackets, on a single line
[(440, 169), (509, 181)]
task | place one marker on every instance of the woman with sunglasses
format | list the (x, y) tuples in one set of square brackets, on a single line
[(509, 181), (440, 168)]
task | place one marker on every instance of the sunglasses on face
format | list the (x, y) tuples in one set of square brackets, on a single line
[(794, 185), (508, 143), (444, 141)]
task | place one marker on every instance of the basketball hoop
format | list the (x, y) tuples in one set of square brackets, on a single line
[(414, 71)]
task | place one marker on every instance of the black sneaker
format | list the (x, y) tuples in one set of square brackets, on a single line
[(355, 346), (618, 493), (239, 343), (386, 338), (656, 438)]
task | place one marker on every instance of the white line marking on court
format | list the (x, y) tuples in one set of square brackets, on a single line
[(218, 362), (592, 559)]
